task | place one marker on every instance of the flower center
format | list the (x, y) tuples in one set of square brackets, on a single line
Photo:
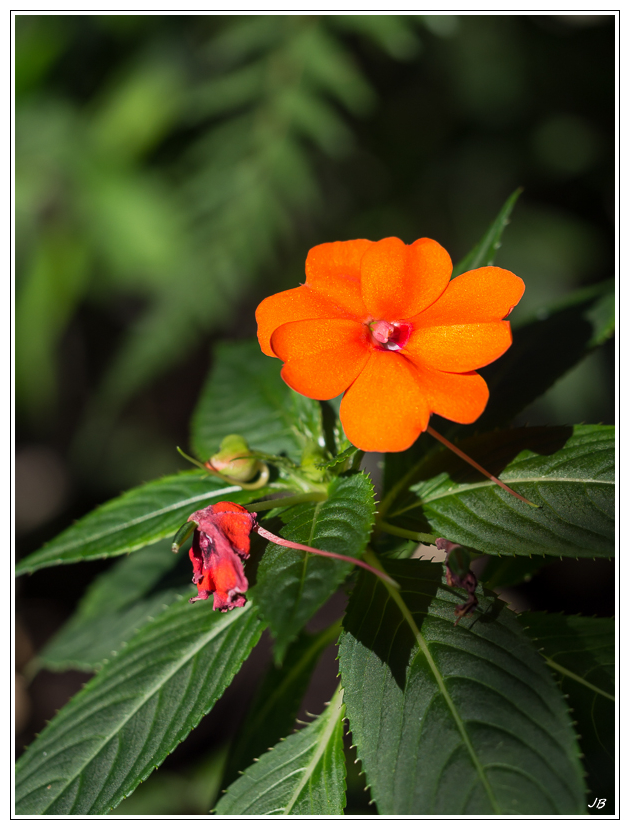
[(390, 336)]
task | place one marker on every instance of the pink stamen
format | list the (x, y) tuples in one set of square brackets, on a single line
[(390, 336), (381, 331)]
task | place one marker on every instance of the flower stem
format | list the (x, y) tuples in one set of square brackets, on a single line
[(474, 464), (185, 531), (357, 459), (191, 459), (285, 543), (415, 536)]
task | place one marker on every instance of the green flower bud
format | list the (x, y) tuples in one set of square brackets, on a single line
[(234, 459)]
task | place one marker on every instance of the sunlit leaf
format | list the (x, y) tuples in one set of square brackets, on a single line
[(301, 776), (568, 471), (126, 720), (136, 519)]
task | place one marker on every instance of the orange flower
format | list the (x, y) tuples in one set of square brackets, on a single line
[(381, 322)]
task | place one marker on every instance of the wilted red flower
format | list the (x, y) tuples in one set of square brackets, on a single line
[(220, 545), (382, 323)]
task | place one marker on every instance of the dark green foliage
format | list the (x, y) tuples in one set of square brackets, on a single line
[(114, 608), (453, 719), (246, 395), (547, 347), (486, 249), (580, 652), (503, 571)]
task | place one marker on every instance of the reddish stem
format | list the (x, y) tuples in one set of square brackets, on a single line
[(277, 540), (474, 464)]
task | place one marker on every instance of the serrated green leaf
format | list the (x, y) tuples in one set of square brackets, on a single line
[(581, 653), (273, 711), (136, 519), (452, 719), (291, 584), (246, 395), (485, 250), (338, 459), (129, 717), (301, 776), (90, 645), (568, 471), (128, 580)]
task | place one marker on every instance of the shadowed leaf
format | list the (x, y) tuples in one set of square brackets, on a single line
[(452, 719), (581, 653)]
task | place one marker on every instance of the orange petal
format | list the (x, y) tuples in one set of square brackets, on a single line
[(301, 303), (459, 397), (384, 410), (480, 296), (333, 270), (398, 281), (460, 348), (322, 357), (336, 259)]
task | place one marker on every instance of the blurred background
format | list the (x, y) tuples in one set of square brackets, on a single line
[(172, 171)]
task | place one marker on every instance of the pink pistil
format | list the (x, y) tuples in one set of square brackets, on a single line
[(390, 336)]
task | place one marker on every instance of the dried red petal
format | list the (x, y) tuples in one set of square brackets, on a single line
[(220, 544)]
